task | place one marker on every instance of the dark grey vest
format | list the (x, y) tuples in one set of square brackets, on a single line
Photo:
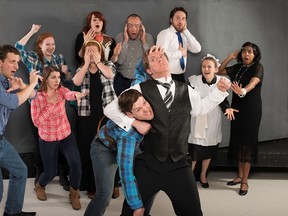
[(170, 129)]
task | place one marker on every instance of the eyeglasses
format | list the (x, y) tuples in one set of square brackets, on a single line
[(247, 50), (131, 25)]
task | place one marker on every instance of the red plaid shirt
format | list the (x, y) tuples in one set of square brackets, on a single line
[(51, 119)]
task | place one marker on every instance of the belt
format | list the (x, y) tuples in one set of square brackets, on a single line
[(125, 78), (1, 137)]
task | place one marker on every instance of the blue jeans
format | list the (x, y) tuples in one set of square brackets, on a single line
[(104, 168), (10, 160), (49, 154)]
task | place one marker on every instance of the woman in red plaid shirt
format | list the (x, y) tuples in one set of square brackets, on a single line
[(49, 116)]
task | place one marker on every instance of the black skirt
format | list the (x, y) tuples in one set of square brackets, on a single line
[(199, 153)]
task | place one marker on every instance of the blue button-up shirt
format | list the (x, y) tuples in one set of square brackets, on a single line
[(8, 102), (125, 144)]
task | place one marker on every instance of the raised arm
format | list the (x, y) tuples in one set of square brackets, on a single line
[(222, 68), (34, 29)]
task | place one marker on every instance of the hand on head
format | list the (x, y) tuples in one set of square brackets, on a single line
[(126, 36), (156, 49)]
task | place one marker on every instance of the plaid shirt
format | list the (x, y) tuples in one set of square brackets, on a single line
[(126, 144), (32, 61), (51, 119), (108, 93)]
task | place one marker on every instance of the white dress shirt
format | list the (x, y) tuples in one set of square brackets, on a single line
[(199, 106), (168, 40)]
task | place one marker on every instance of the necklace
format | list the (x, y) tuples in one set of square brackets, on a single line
[(237, 74)]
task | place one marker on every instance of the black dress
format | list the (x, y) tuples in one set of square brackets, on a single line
[(243, 145)]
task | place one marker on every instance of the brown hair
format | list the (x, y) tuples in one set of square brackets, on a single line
[(145, 60), (127, 99), (46, 73), (5, 49), (97, 14), (211, 59)]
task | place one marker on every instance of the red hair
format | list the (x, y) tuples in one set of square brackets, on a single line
[(39, 41)]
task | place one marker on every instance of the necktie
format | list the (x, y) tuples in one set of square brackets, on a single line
[(168, 98), (180, 40)]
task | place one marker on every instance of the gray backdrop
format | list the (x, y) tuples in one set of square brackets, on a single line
[(221, 26)]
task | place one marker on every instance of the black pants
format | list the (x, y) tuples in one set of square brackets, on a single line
[(174, 178), (121, 83)]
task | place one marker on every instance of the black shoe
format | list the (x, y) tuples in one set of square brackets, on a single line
[(243, 192), (232, 183), (21, 214), (64, 182), (204, 185)]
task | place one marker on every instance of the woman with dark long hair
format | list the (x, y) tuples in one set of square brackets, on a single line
[(246, 77)]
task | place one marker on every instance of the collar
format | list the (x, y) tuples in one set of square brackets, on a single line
[(172, 28), (4, 81), (213, 81), (164, 79)]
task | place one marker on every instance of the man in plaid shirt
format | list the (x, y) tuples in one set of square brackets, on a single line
[(114, 146)]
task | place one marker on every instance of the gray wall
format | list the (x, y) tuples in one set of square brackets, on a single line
[(221, 26)]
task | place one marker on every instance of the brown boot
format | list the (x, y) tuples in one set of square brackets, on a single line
[(116, 193), (40, 192), (74, 197)]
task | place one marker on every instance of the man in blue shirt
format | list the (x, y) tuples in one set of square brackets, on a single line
[(9, 101), (113, 144)]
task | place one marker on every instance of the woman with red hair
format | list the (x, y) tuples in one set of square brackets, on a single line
[(95, 29), (45, 56)]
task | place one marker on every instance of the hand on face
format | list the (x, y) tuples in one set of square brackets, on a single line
[(92, 55), (126, 36), (142, 34), (95, 54)]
